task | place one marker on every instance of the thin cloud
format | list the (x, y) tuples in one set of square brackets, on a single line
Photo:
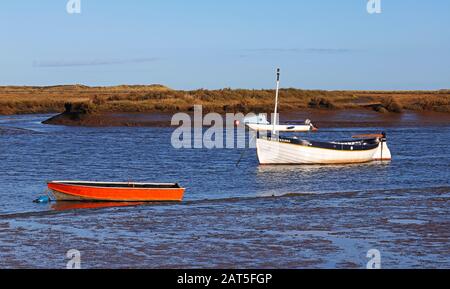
[(302, 50), (328, 50), (95, 62)]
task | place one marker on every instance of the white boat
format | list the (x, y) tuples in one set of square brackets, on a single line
[(260, 123), (291, 150), (281, 127)]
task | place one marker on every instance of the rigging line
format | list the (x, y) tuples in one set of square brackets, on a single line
[(246, 148)]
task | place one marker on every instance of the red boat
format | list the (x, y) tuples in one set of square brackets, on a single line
[(115, 192)]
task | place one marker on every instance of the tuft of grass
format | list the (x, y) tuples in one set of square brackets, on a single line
[(390, 104), (431, 104), (321, 102)]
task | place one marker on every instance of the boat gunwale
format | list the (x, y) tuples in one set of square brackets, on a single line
[(313, 144), (86, 184)]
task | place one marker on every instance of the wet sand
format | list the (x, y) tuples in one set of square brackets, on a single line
[(294, 231)]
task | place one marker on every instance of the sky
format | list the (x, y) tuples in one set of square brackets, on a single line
[(322, 44)]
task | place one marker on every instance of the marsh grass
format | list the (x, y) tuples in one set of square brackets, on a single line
[(157, 98)]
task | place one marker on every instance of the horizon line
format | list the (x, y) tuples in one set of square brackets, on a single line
[(202, 88)]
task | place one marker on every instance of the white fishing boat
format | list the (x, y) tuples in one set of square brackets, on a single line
[(276, 149), (291, 150)]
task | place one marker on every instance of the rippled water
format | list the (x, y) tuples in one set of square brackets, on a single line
[(321, 216)]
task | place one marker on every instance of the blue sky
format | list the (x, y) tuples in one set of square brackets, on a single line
[(325, 44)]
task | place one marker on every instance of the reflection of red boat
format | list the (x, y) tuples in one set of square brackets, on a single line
[(66, 206), (116, 192)]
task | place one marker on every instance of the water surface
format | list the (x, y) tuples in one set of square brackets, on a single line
[(233, 216)]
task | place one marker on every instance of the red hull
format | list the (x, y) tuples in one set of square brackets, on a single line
[(117, 192)]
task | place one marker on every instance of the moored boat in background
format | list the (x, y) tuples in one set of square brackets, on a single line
[(260, 123)]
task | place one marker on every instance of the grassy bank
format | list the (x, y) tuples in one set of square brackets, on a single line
[(157, 98)]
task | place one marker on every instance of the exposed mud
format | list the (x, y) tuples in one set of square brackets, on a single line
[(111, 119), (303, 231), (321, 118)]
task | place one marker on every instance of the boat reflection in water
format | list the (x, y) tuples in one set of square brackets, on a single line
[(280, 180), (314, 168), (68, 206)]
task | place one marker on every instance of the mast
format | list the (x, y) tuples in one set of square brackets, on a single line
[(276, 102)]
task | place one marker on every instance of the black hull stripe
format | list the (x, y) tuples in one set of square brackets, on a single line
[(353, 145)]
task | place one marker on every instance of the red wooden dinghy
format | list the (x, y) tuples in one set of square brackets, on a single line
[(115, 192)]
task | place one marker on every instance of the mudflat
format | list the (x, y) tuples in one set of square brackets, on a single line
[(320, 118)]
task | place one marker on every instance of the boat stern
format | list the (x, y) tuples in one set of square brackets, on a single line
[(382, 153)]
